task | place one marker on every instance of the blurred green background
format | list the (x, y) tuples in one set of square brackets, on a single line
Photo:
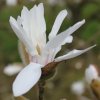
[(67, 72)]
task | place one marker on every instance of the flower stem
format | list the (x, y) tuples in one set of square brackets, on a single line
[(41, 90)]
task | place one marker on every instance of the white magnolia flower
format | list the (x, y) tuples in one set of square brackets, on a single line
[(91, 73), (11, 2), (78, 87), (30, 28), (12, 69)]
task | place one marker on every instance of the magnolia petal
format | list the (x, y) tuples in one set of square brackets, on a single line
[(19, 21), (61, 16), (41, 26), (38, 25), (49, 55), (41, 19), (69, 39), (12, 69), (19, 32), (24, 16), (26, 79), (60, 38), (28, 25), (54, 45), (55, 51), (33, 23), (72, 54), (91, 73)]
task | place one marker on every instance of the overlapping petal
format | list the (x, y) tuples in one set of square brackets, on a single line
[(60, 38), (31, 31), (21, 36), (38, 25), (54, 45)]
